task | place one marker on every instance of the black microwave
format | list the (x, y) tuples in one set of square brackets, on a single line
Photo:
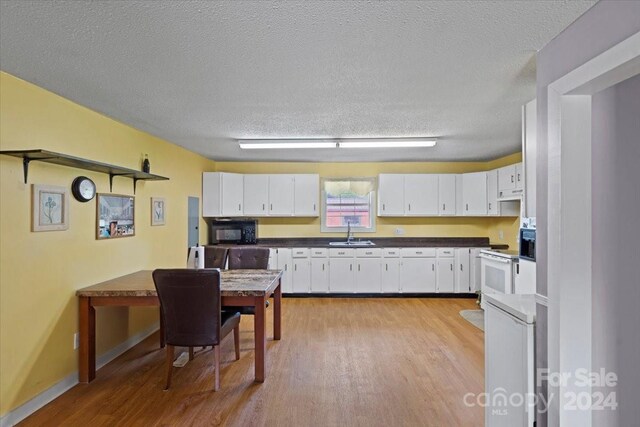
[(528, 243), (240, 232)]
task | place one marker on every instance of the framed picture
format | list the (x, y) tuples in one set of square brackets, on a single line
[(115, 216), (50, 210), (157, 210)]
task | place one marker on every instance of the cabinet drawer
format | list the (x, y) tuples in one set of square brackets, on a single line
[(368, 253), (319, 252), (300, 252), (418, 252), (446, 252), (341, 253), (391, 252)]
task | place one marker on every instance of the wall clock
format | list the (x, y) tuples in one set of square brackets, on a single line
[(83, 189)]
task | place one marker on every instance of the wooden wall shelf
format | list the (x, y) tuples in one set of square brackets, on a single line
[(28, 156)]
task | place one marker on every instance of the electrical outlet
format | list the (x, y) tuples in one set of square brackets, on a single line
[(501, 234), (76, 341), (399, 231)]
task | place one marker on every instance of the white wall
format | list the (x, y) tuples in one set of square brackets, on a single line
[(616, 235)]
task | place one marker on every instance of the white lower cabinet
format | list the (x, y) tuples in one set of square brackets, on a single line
[(319, 270), (462, 270), (301, 274), (284, 261), (391, 270), (418, 270), (376, 270), (368, 272), (341, 270), (445, 277)]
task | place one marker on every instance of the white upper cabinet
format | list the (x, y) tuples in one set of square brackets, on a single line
[(474, 193), (306, 195), (493, 208), (420, 195), (510, 181), (529, 156), (222, 194), (447, 194), (281, 194), (390, 195), (256, 195)]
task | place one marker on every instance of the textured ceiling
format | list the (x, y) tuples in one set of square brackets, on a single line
[(201, 74)]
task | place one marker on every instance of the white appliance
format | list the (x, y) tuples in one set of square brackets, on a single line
[(497, 272), (509, 360)]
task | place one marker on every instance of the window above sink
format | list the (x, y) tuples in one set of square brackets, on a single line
[(348, 201)]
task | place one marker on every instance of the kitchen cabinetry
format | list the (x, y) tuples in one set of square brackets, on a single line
[(493, 208), (474, 193), (306, 195), (301, 274), (391, 270), (418, 270), (510, 181), (284, 260), (475, 270), (421, 195), (445, 276), (529, 156), (390, 195), (447, 194), (222, 194), (256, 195), (281, 193), (341, 271), (319, 270), (462, 276), (368, 272)]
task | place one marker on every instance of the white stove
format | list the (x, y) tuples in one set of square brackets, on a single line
[(498, 272)]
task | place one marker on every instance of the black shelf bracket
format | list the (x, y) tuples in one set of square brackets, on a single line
[(25, 168)]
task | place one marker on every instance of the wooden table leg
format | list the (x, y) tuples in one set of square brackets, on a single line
[(259, 325), (87, 354), (277, 310)]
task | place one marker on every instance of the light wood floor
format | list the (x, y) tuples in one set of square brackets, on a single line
[(348, 362)]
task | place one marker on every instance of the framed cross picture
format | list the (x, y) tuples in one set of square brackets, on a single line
[(158, 206), (50, 210)]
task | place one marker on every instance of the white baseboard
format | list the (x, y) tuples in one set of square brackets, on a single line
[(11, 418)]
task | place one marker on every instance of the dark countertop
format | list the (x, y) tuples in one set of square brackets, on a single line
[(382, 242)]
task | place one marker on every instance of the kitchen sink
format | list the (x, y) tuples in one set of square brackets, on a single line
[(353, 243)]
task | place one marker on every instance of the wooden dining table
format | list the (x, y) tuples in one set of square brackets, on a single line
[(238, 288)]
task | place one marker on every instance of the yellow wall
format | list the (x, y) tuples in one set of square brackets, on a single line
[(385, 227), (39, 272)]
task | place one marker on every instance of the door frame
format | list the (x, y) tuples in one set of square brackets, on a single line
[(569, 219)]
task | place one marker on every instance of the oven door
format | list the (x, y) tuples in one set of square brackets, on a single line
[(496, 274)]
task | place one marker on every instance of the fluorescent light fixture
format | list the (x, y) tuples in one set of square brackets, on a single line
[(284, 144), (265, 144), (388, 143)]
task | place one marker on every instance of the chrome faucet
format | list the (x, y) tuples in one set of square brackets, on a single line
[(349, 235)]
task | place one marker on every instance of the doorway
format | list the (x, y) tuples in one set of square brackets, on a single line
[(193, 222)]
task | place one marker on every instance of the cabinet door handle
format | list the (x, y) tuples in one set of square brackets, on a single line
[(419, 252), (383, 207), (443, 208), (314, 207), (433, 267), (285, 267), (451, 265), (518, 177), (271, 206), (489, 205), (386, 267), (467, 206), (263, 206), (409, 206), (239, 206), (358, 267), (322, 267), (511, 178), (295, 267), (350, 267), (460, 267)]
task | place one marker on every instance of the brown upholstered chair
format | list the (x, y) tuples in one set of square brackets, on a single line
[(191, 311), (247, 258), (215, 257)]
